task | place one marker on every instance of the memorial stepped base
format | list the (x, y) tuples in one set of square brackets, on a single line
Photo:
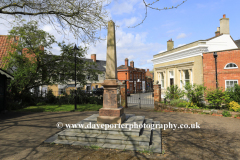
[(118, 138)]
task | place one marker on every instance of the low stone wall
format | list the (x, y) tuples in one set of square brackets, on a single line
[(167, 108)]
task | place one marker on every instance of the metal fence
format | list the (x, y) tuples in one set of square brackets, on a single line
[(66, 97)]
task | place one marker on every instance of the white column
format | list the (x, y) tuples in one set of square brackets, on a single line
[(192, 76), (164, 80), (183, 78), (180, 71), (159, 75)]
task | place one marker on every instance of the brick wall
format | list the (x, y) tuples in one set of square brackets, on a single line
[(224, 57)]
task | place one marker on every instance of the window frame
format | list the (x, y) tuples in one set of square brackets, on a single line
[(131, 86), (185, 77), (231, 67), (162, 79), (229, 80)]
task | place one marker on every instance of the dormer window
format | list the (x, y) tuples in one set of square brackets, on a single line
[(231, 66)]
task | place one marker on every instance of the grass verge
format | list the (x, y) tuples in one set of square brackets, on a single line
[(61, 108)]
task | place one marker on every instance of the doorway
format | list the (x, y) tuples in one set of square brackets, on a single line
[(171, 81)]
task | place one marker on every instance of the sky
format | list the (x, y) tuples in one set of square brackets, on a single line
[(192, 21)]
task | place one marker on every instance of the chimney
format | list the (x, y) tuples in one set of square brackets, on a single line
[(126, 62), (147, 70), (93, 57), (217, 33), (170, 45), (224, 25), (132, 64)]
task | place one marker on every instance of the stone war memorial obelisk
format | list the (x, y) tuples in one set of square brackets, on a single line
[(111, 113), (130, 136)]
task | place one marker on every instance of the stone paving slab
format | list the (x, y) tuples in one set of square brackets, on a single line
[(136, 119), (86, 135), (63, 142), (129, 115), (122, 138), (117, 137), (114, 146), (146, 134), (78, 143), (136, 148), (102, 136), (110, 141), (148, 121)]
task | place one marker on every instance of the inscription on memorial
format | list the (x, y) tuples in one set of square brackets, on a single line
[(110, 99)]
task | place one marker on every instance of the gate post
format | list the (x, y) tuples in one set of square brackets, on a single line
[(123, 91), (157, 95)]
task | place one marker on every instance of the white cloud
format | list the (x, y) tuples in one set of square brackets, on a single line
[(128, 22), (47, 28), (181, 35), (131, 57), (131, 46), (181, 45), (162, 51), (121, 8), (149, 61)]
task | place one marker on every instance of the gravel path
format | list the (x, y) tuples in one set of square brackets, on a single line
[(22, 134)]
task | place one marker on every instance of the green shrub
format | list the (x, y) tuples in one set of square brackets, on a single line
[(175, 102), (195, 93), (173, 92), (191, 105), (226, 114), (234, 106), (234, 93), (41, 103), (51, 99), (238, 115), (182, 104), (217, 97)]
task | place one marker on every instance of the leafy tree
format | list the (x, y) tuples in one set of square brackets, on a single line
[(33, 65), (173, 92), (195, 93)]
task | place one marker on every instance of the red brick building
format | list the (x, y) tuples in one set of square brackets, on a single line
[(130, 74), (228, 71), (149, 80)]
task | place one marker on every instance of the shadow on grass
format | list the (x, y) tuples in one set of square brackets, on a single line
[(61, 108)]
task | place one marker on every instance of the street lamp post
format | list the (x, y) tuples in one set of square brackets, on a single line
[(215, 56), (75, 49)]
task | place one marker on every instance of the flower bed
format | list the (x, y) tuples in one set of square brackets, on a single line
[(167, 108)]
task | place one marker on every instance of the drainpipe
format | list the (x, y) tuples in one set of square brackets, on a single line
[(215, 56)]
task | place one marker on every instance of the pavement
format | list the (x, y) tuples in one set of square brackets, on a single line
[(22, 134)]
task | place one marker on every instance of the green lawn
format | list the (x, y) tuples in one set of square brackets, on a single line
[(61, 108)]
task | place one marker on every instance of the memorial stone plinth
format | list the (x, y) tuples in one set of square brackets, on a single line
[(112, 112)]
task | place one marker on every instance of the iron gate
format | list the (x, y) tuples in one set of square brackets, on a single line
[(141, 98)]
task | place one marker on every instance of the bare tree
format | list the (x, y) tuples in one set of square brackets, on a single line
[(83, 18), (150, 5)]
